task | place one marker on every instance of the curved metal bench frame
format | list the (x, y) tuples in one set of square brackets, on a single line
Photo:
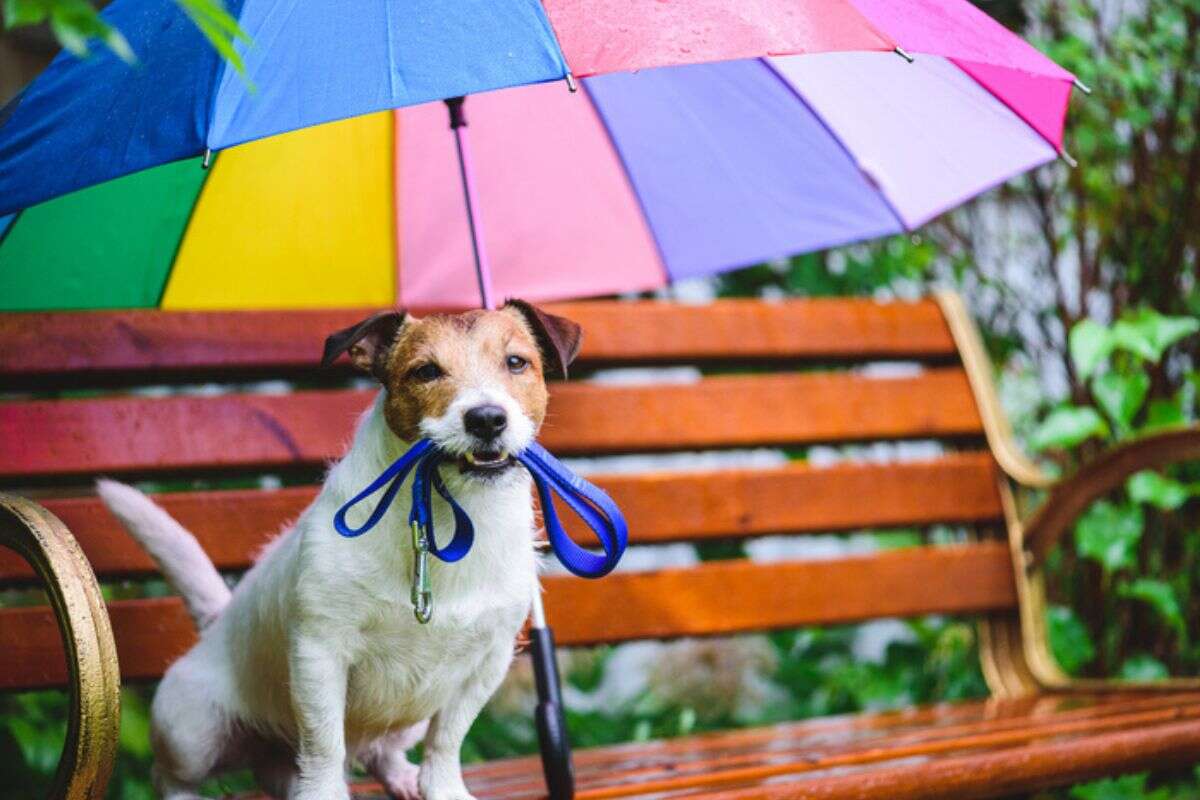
[(91, 743)]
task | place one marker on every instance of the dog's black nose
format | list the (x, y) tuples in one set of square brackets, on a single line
[(486, 422)]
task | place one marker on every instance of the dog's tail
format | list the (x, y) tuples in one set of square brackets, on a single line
[(174, 549)]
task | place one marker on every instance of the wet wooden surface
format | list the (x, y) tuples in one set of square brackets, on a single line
[(964, 751)]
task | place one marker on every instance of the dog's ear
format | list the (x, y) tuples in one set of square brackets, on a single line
[(367, 342), (558, 337)]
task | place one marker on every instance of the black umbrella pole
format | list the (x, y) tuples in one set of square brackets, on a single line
[(551, 726)]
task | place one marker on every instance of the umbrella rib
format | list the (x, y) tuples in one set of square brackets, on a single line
[(483, 272)]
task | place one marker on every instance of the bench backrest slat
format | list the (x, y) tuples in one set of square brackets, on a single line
[(720, 597), (306, 429), (135, 343), (233, 525)]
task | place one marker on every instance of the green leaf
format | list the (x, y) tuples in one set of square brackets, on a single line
[(1157, 490), (114, 40), (1090, 344), (1148, 334), (70, 37), (1159, 596), (1068, 426), (1109, 533), (1069, 639), (1126, 787), (1143, 668), (1164, 412), (1121, 396), (24, 12)]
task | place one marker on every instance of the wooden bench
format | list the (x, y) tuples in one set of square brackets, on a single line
[(1037, 730)]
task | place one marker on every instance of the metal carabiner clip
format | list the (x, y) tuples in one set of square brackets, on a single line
[(422, 594)]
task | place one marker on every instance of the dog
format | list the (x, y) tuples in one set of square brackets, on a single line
[(315, 660)]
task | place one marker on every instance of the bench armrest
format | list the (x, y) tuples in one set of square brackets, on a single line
[(91, 743), (1068, 499)]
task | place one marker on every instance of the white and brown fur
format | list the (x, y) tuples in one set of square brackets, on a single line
[(315, 660)]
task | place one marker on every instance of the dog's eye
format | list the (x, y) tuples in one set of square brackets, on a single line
[(516, 364), (427, 372)]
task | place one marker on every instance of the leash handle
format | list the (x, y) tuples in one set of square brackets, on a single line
[(589, 502)]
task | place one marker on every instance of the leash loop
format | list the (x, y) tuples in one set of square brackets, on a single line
[(591, 503)]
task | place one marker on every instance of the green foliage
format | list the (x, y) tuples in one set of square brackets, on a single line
[(1160, 596), (1109, 533), (1069, 639), (857, 270), (1127, 787), (1068, 426), (1090, 345), (1147, 334), (1131, 561), (1142, 667), (75, 23), (816, 673), (1121, 396), (1151, 488)]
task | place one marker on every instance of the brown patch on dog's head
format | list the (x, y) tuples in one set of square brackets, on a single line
[(435, 367)]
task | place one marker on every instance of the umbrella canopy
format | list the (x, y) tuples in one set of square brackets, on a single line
[(676, 171)]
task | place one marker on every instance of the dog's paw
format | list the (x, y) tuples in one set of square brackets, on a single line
[(456, 793), (323, 788), (401, 781), (446, 789)]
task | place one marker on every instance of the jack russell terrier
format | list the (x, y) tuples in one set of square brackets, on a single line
[(315, 660)]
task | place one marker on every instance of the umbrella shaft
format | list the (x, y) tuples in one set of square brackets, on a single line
[(483, 272)]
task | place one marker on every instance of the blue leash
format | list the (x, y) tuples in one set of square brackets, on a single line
[(551, 476)]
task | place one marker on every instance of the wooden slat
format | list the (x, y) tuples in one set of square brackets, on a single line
[(150, 634), (661, 507), (999, 773), (712, 598), (112, 435), (952, 750), (722, 597), (84, 344)]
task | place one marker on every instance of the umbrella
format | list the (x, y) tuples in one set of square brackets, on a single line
[(748, 133)]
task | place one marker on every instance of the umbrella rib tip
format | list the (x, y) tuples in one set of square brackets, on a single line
[(900, 51)]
